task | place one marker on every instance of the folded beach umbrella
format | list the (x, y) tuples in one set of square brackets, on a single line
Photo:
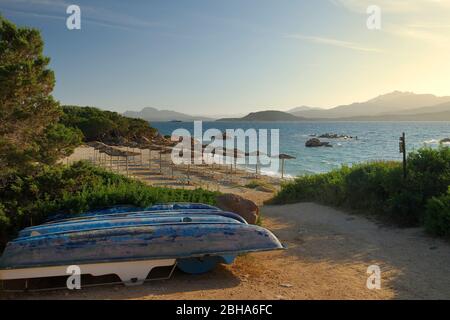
[(255, 154), (161, 152), (282, 157)]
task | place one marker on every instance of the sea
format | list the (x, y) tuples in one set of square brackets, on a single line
[(376, 141)]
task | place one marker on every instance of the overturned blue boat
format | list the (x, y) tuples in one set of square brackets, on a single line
[(129, 242)]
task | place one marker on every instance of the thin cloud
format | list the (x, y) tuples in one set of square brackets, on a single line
[(419, 20), (94, 15), (36, 15), (393, 6), (333, 42)]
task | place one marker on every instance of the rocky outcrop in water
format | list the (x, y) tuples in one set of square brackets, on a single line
[(335, 136), (314, 142)]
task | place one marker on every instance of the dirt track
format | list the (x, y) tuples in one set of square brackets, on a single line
[(327, 258)]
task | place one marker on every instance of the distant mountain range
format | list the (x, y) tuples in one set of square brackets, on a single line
[(302, 109), (395, 106), (153, 114), (392, 103)]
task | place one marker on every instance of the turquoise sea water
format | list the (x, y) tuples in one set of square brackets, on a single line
[(376, 140)]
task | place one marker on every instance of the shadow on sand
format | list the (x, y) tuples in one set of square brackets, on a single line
[(418, 265)]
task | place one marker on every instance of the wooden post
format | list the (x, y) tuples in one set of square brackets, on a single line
[(188, 173), (149, 159), (402, 147), (282, 168)]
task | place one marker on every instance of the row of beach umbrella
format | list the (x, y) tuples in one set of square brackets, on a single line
[(164, 148)]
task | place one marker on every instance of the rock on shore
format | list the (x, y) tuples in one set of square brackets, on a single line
[(247, 209)]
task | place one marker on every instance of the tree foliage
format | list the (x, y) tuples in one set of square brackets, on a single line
[(106, 126), (27, 108)]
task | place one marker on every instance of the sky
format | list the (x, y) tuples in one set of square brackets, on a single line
[(217, 57)]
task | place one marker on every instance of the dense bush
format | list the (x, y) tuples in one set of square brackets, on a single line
[(378, 187), (437, 216), (106, 126), (30, 199)]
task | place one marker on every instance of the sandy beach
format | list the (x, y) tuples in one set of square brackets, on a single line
[(328, 253), (160, 172)]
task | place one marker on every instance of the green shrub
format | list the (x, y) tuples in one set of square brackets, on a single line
[(378, 187), (255, 184), (30, 199), (437, 215), (324, 188)]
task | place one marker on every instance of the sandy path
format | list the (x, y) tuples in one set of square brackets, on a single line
[(327, 258)]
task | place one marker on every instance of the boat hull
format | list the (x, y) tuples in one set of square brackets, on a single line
[(137, 243), (131, 243)]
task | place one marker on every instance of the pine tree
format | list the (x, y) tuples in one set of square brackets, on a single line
[(27, 108)]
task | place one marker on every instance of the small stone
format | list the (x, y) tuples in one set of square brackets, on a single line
[(286, 285)]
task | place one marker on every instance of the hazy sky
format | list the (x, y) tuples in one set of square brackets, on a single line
[(236, 56)]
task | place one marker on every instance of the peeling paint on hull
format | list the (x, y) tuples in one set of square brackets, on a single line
[(133, 236)]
